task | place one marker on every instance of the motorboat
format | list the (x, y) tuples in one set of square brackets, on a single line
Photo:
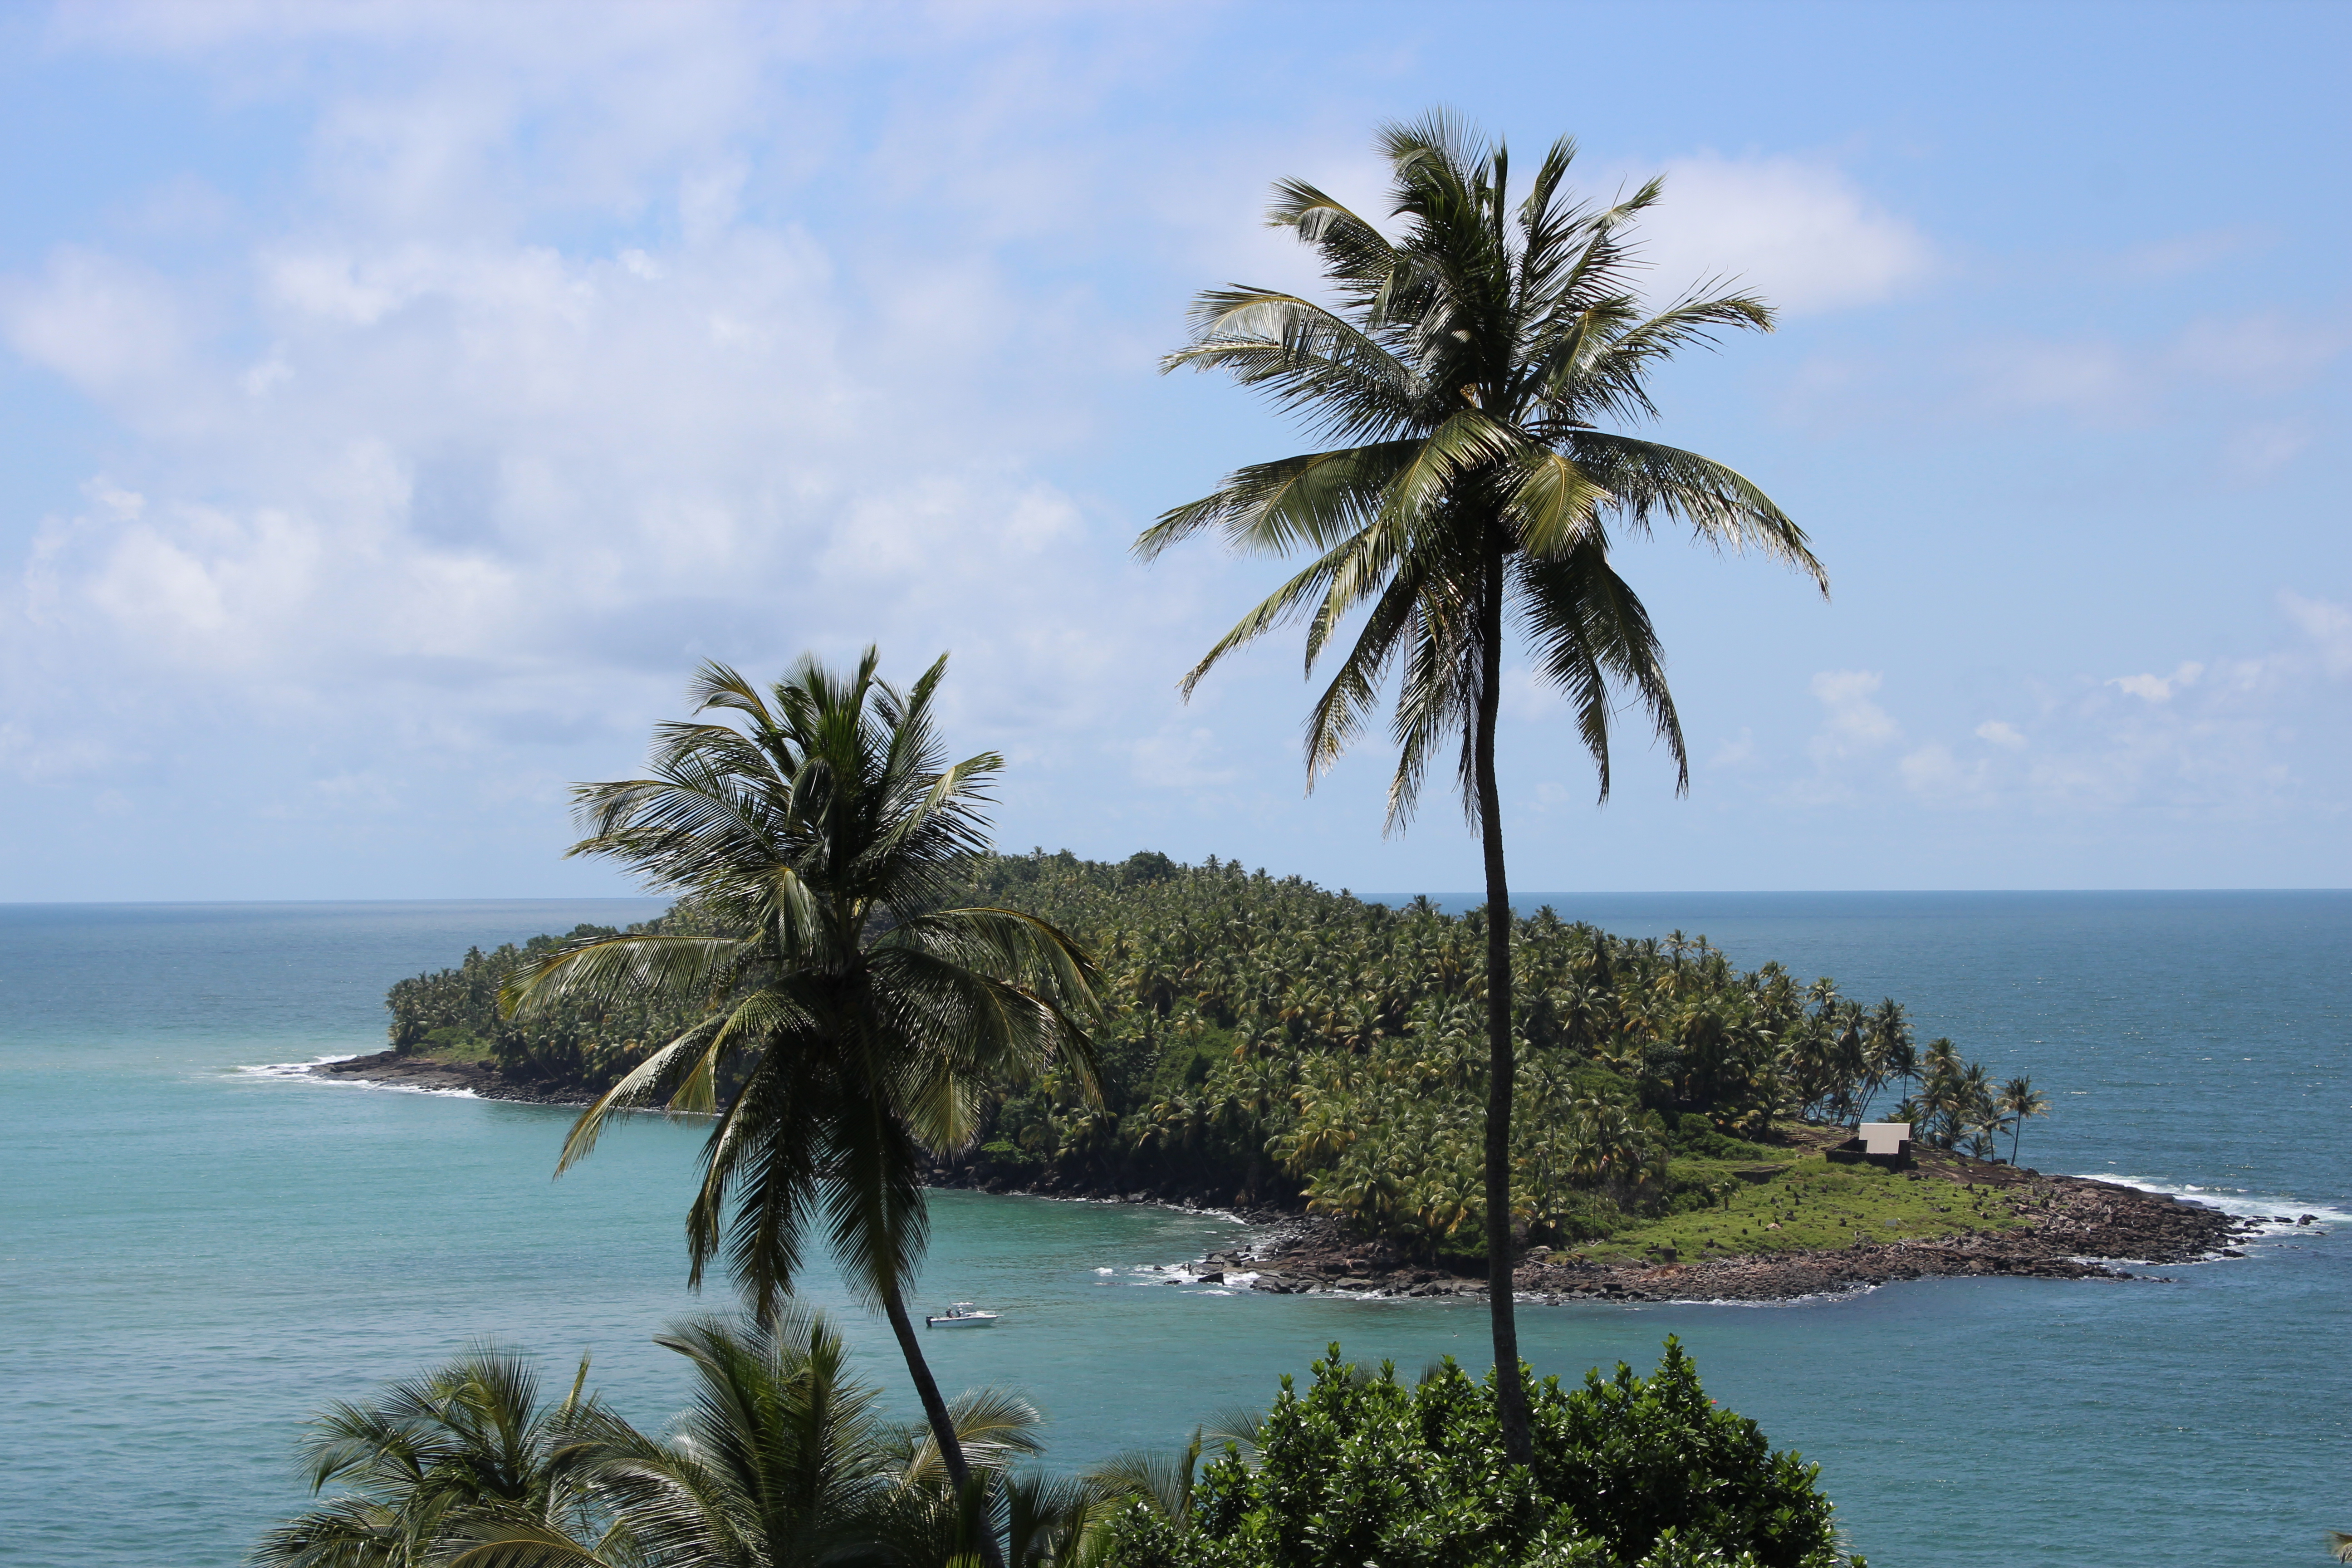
[(962, 1315)]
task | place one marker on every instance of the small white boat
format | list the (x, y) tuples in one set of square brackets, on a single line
[(962, 1315)]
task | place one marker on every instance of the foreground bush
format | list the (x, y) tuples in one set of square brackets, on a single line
[(1362, 1469)]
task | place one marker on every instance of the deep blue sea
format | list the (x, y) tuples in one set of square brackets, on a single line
[(194, 1254)]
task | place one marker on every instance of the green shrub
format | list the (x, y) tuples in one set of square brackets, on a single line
[(1629, 1473), (1007, 1158)]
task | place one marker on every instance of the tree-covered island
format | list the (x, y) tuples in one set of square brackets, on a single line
[(1318, 1060)]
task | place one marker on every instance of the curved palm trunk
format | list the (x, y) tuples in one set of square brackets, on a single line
[(1511, 1399), (935, 1411)]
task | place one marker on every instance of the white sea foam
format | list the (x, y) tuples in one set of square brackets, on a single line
[(293, 1070), (302, 1070), (2239, 1202)]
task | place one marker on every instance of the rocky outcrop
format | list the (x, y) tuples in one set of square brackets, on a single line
[(480, 1078), (2075, 1228)]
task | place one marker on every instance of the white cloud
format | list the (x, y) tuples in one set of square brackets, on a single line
[(1738, 753), (2158, 688), (1855, 730), (2327, 624), (1801, 233), (2001, 733), (2257, 450), (437, 488), (105, 324), (1932, 772), (1179, 756), (2269, 351), (2092, 380), (2185, 255), (2103, 382), (1854, 724)]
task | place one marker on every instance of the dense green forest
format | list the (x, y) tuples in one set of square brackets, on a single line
[(1270, 1041)]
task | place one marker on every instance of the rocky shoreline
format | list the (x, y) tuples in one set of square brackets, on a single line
[(2081, 1229), (2078, 1228), (481, 1079)]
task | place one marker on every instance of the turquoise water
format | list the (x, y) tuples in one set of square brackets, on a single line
[(194, 1256)]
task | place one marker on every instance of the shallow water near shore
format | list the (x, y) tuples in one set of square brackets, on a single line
[(194, 1256)]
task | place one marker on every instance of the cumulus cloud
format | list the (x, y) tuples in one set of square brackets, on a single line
[(1853, 723), (1932, 772), (2212, 739), (1853, 731), (2158, 688), (111, 327), (481, 447), (1800, 232), (2001, 733)]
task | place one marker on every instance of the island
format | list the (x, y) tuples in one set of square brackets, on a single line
[(1314, 1063)]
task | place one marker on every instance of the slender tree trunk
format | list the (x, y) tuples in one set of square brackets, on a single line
[(1511, 1397), (935, 1411)]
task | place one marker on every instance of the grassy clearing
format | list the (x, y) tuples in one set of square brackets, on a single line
[(451, 1044), (1816, 1206)]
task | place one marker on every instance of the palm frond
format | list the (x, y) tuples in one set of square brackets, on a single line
[(1724, 507)]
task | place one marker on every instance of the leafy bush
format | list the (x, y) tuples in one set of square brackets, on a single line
[(1362, 1469)]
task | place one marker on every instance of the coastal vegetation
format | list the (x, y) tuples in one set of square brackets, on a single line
[(1467, 371), (1264, 1041), (846, 1022), (782, 1459), (1362, 1467)]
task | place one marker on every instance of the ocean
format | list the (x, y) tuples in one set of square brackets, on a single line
[(200, 1248)]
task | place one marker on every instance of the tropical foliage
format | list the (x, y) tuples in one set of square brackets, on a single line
[(1266, 1040), (1362, 1469), (575, 1043), (847, 1020), (470, 1441), (782, 1460)]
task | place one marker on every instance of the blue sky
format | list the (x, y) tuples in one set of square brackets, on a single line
[(397, 401)]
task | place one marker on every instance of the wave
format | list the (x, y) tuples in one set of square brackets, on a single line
[(302, 1070), (2239, 1202), (293, 1070)]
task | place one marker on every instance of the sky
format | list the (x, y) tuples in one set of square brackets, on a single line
[(399, 400)]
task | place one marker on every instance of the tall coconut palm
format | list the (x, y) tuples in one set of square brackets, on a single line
[(1465, 374), (2019, 1099), (851, 1020)]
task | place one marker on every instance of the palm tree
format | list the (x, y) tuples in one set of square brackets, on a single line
[(782, 1460), (2018, 1101), (1465, 375), (2339, 1545), (851, 1022), (468, 1440)]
